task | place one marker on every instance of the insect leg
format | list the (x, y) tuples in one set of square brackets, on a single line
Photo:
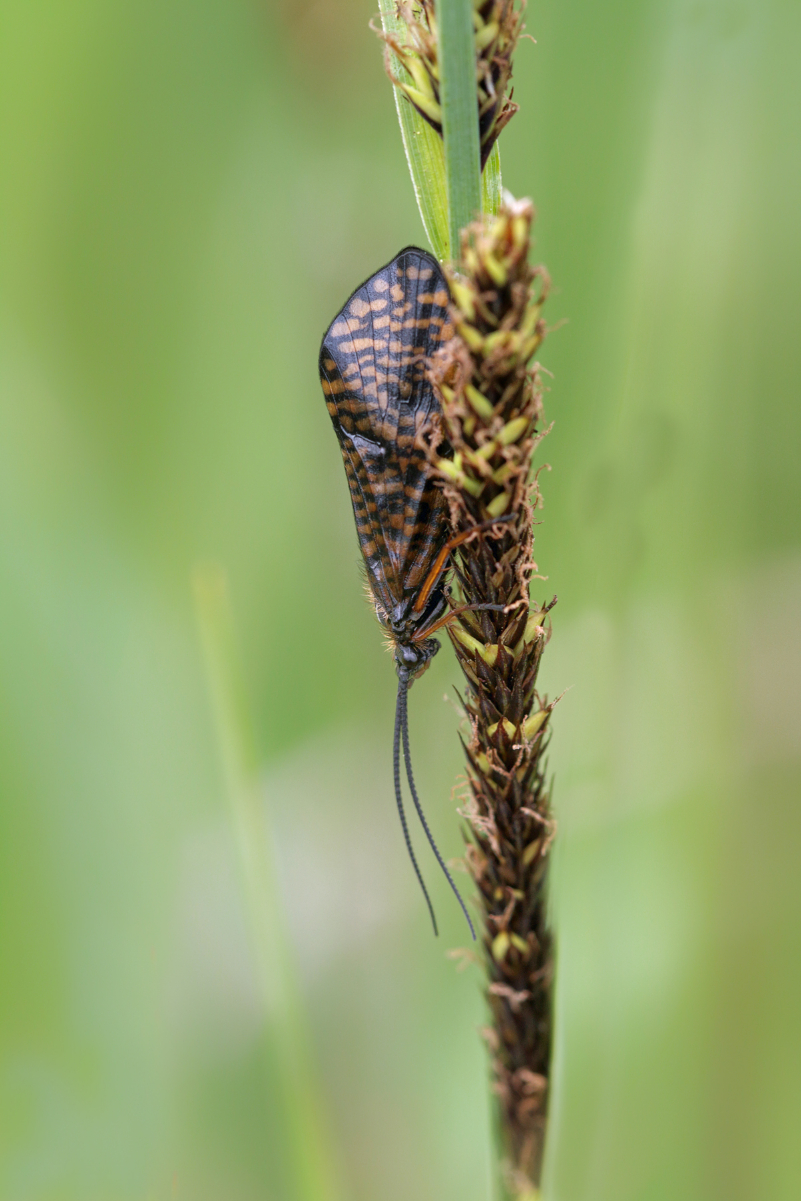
[(400, 708), (404, 725), (421, 635), (439, 563)]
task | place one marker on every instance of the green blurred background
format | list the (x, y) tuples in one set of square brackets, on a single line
[(189, 192)]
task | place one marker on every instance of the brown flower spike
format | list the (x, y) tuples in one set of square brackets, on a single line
[(498, 25), (491, 414)]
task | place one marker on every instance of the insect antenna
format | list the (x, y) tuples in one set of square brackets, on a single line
[(402, 713), (400, 721)]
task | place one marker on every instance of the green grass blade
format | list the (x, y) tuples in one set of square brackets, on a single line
[(424, 152), (459, 98), (310, 1157), (426, 157), (491, 186)]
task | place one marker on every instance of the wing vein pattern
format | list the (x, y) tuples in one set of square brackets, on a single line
[(372, 369)]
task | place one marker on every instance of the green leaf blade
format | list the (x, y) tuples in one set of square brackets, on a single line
[(459, 97), (423, 147)]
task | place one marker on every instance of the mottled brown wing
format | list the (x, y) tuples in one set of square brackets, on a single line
[(372, 368)]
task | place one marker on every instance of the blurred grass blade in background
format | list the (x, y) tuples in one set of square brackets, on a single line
[(310, 1153)]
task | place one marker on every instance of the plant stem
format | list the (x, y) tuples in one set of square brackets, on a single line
[(459, 115), (491, 425)]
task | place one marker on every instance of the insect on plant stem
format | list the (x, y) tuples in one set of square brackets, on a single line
[(373, 364), (455, 81)]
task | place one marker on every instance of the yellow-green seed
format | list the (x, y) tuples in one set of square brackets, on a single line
[(534, 625), (467, 640), (470, 261), (507, 725), (470, 335), (500, 946), (532, 724), (513, 430), (454, 472), (519, 943), (530, 852), (519, 231), (503, 473), (486, 35), (531, 634), (529, 323), (530, 347), (489, 653), (420, 76), (463, 298), (498, 505), (499, 339), (488, 449), (451, 470), (478, 463), (479, 402), (495, 270), (429, 106)]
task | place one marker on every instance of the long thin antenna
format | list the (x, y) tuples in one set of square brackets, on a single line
[(400, 708), (407, 758)]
